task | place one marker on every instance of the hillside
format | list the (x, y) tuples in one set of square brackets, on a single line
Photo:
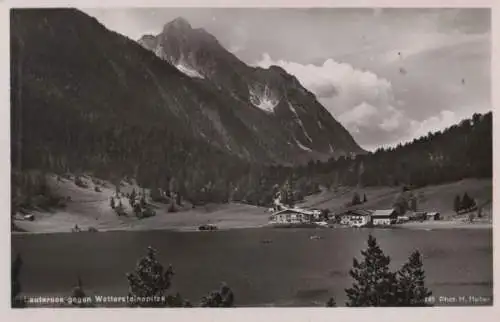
[(116, 101), (464, 150), (272, 100), (87, 208), (430, 198)]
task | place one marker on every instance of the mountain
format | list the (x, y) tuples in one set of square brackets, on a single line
[(88, 100), (270, 101), (84, 98)]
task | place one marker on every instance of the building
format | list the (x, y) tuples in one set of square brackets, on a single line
[(291, 216), (417, 216), (356, 218), (316, 213), (384, 217), (433, 216), (402, 219)]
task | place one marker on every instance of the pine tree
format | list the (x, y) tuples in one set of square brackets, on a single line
[(149, 279), (472, 203), (331, 302), (132, 197), (79, 294), (137, 210), (143, 202), (413, 203), (17, 264), (287, 195), (117, 189), (178, 199), (374, 284), (222, 298), (457, 205), (467, 202), (172, 207), (176, 301), (356, 200), (411, 282), (401, 204)]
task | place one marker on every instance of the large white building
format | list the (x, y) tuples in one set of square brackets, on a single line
[(291, 216), (384, 217), (356, 218)]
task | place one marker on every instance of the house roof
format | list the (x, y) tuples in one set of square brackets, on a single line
[(358, 212), (383, 213), (295, 210)]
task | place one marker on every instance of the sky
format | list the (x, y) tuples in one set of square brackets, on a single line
[(388, 75)]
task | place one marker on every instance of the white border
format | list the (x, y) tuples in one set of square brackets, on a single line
[(482, 314)]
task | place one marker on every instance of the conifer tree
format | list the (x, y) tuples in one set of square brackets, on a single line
[(401, 204), (413, 203), (137, 210), (132, 197), (176, 301), (178, 199), (150, 279), (374, 284), (143, 202), (457, 204), (17, 264), (172, 207), (411, 282), (79, 294), (117, 189), (222, 298), (331, 302), (467, 202), (287, 195), (356, 200)]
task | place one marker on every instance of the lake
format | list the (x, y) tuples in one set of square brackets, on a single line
[(291, 270)]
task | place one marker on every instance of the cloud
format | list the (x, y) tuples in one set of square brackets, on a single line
[(443, 120), (359, 116), (394, 121), (340, 81), (234, 48), (361, 100)]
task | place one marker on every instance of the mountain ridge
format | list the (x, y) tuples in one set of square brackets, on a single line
[(279, 94), (88, 100)]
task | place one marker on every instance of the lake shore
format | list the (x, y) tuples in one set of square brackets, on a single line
[(230, 216), (446, 224), (225, 218), (91, 209)]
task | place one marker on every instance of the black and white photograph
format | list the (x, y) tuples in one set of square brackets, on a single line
[(209, 157)]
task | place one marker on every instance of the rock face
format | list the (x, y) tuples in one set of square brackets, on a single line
[(76, 84), (270, 94)]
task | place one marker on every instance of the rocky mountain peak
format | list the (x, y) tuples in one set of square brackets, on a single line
[(179, 23)]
